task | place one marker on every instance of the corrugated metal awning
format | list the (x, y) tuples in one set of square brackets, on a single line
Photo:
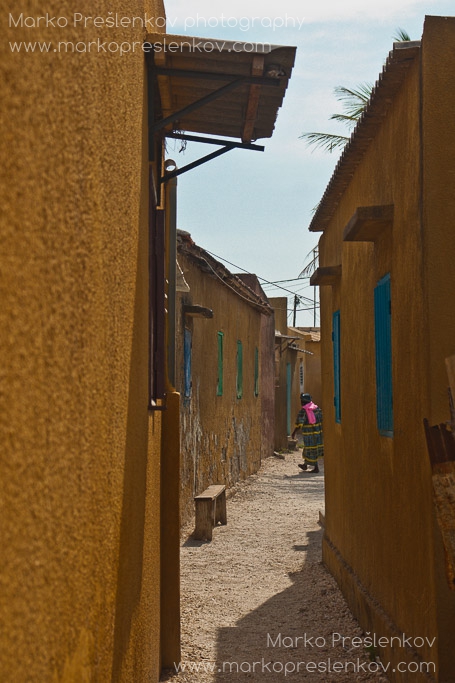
[(241, 85)]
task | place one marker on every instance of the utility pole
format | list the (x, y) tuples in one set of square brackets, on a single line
[(296, 301), (315, 257), (314, 307)]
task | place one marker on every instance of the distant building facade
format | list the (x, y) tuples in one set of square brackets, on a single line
[(222, 374), (289, 372)]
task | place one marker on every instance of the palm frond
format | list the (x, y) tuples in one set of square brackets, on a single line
[(401, 36), (312, 264), (327, 141), (344, 118), (354, 100)]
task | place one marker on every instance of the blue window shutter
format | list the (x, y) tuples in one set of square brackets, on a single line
[(187, 344), (383, 345), (336, 364)]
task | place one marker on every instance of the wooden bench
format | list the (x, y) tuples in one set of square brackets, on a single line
[(210, 509)]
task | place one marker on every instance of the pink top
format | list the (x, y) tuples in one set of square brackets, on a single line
[(310, 407)]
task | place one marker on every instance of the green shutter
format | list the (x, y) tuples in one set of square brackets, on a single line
[(219, 385), (239, 382)]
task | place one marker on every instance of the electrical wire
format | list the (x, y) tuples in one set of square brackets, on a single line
[(258, 276), (250, 301), (289, 311)]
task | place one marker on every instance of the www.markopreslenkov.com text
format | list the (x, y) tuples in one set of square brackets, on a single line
[(125, 48), (264, 666)]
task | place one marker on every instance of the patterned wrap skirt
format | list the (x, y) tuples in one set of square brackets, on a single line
[(313, 444)]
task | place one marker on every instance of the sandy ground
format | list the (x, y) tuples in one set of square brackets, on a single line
[(257, 602)]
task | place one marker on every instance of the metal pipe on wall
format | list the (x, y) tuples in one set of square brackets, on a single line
[(171, 249)]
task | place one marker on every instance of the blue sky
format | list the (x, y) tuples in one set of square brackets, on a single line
[(252, 208)]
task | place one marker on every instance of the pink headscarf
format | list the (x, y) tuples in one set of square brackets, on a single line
[(310, 407)]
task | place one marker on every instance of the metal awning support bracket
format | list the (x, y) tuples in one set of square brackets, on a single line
[(226, 146)]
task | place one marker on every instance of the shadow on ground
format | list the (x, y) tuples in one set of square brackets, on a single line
[(272, 635)]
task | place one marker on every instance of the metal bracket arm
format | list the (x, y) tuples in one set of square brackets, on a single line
[(226, 146), (214, 141)]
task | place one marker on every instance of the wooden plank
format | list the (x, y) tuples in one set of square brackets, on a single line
[(211, 492), (210, 511), (238, 114), (220, 508), (205, 519), (257, 69)]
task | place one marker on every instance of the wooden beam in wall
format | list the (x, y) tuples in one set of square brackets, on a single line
[(328, 275), (368, 222)]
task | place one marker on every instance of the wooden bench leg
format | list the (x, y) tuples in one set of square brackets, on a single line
[(205, 519), (220, 509)]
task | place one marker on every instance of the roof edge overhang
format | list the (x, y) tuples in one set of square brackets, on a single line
[(389, 82), (253, 84), (210, 265)]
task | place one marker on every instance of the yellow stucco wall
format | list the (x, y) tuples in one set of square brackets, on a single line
[(438, 220), (383, 547), (220, 435), (313, 372), (80, 453), (439, 204)]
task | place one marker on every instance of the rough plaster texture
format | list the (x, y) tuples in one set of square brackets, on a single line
[(267, 385), (220, 435), (313, 372), (267, 370), (381, 542), (80, 455), (438, 218)]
